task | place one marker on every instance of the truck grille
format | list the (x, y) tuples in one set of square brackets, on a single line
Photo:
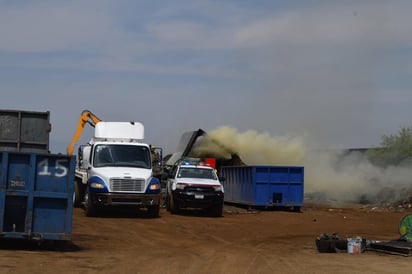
[(198, 189), (127, 185)]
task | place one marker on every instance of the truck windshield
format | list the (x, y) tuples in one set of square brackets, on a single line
[(198, 173), (122, 156)]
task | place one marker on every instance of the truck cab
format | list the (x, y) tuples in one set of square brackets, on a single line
[(194, 185), (115, 168)]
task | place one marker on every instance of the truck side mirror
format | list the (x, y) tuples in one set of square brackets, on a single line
[(84, 156)]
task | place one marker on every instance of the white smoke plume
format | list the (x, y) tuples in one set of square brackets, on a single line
[(254, 148), (332, 176)]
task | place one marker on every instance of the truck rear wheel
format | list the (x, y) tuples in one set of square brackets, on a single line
[(78, 194)]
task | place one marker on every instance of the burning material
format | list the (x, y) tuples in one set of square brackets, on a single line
[(253, 148), (333, 176)]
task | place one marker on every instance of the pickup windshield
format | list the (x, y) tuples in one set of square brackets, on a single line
[(122, 156), (198, 173)]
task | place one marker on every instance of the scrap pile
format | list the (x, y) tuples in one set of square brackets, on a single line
[(403, 246)]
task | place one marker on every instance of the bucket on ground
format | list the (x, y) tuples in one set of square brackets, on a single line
[(355, 245)]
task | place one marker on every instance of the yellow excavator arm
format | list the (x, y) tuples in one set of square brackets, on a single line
[(85, 117)]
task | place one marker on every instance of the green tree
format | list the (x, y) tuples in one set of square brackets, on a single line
[(394, 149)]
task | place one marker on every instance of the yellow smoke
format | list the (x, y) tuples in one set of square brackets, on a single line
[(329, 175), (252, 147)]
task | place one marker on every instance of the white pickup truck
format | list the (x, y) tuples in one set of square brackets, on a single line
[(194, 185)]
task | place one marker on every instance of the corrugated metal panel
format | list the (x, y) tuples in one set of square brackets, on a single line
[(24, 131), (36, 195), (264, 185)]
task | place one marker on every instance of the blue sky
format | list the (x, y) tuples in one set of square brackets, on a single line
[(336, 72)]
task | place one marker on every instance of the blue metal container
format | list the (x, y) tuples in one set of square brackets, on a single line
[(36, 195), (264, 185)]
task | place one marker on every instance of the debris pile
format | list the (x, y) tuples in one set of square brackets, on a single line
[(326, 243), (403, 246)]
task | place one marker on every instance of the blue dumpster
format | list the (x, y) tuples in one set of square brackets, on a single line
[(36, 195), (269, 186)]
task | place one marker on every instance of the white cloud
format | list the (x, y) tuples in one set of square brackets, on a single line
[(330, 25), (52, 27), (329, 68)]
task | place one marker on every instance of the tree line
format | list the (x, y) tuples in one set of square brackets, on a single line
[(394, 149)]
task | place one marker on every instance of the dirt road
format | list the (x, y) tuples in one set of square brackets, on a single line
[(239, 242)]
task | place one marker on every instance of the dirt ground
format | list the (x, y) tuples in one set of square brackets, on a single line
[(242, 241)]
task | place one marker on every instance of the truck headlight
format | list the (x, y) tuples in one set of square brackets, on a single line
[(218, 188), (180, 186), (154, 186), (97, 185)]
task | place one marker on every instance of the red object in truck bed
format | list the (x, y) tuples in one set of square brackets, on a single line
[(211, 162)]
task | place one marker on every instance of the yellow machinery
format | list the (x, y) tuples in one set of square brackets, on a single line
[(86, 117)]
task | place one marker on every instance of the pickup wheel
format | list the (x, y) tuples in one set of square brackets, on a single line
[(171, 206), (89, 207), (217, 211)]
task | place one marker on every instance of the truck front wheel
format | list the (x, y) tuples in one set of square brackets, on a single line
[(153, 211), (89, 207)]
